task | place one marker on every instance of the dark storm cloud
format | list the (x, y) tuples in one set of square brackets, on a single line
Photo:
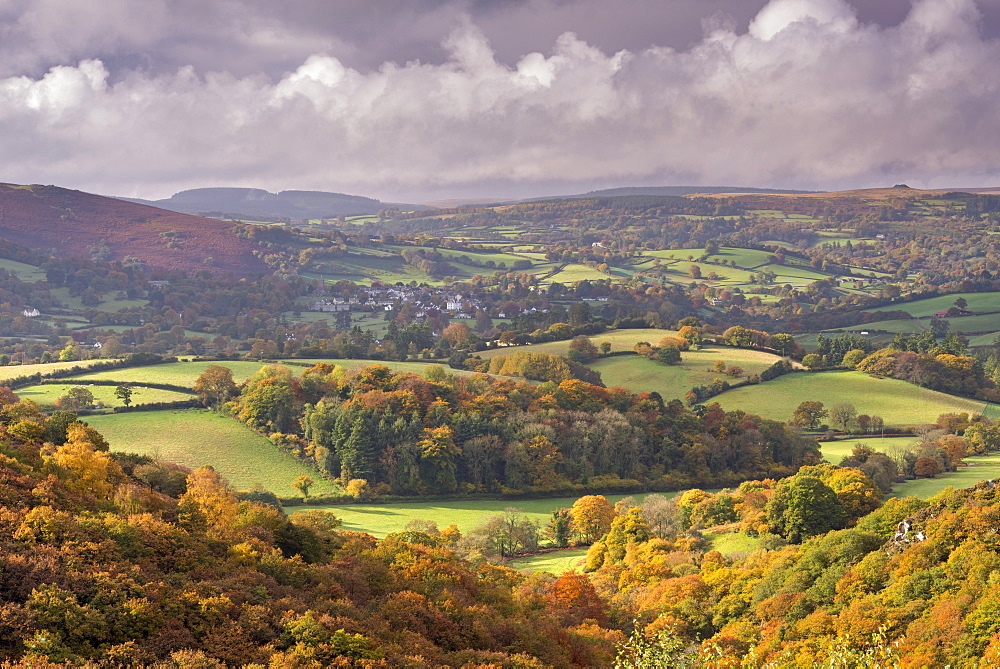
[(449, 98)]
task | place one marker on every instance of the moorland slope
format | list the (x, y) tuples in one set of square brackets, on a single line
[(73, 223)]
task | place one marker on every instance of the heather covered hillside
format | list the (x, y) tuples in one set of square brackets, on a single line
[(71, 223)]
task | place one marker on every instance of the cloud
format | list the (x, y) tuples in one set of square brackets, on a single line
[(806, 96)]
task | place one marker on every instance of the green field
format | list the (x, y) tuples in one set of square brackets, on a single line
[(920, 308), (898, 402), (732, 544), (640, 374), (196, 437), (905, 325), (835, 451), (186, 373), (555, 562), (977, 469), (621, 340), (23, 271), (14, 371), (381, 519), (47, 394), (109, 302), (174, 373)]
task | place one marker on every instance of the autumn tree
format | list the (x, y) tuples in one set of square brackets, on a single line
[(438, 453), (814, 361), (669, 355), (803, 506), (809, 414), (302, 484), (509, 533), (927, 467), (76, 398), (87, 470), (592, 516), (215, 386), (982, 438), (268, 401), (581, 349), (843, 415), (560, 528), (457, 333)]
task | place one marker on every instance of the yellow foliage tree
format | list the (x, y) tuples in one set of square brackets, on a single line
[(591, 517)]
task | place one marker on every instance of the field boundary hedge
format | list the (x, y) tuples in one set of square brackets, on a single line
[(108, 382)]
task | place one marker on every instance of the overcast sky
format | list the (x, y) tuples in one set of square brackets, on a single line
[(427, 99)]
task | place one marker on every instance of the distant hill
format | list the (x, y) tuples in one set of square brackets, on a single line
[(72, 223), (676, 190), (251, 202)]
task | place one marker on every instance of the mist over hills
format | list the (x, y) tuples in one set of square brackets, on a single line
[(292, 204)]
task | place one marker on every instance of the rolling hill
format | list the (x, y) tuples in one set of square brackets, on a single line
[(250, 202), (71, 223)]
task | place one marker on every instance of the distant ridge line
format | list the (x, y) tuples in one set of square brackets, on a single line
[(690, 190)]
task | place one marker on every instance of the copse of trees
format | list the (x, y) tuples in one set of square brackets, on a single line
[(442, 434)]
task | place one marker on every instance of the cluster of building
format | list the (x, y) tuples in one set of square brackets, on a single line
[(388, 298)]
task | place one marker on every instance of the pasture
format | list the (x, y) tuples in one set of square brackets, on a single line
[(554, 562), (109, 302), (47, 394), (13, 371), (897, 402), (835, 451), (621, 340), (174, 373), (639, 374), (979, 302), (23, 271), (381, 519), (976, 469), (196, 437)]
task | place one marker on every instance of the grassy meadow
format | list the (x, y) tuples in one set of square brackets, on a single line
[(621, 340), (898, 402), (174, 373), (23, 271), (8, 372), (979, 302), (196, 437), (640, 374), (976, 469), (47, 394), (553, 562), (835, 451), (381, 519)]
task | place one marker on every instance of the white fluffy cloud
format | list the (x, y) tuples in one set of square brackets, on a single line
[(808, 96)]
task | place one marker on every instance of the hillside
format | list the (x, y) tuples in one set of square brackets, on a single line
[(250, 202), (72, 223)]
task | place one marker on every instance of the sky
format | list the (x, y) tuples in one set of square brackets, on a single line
[(430, 99)]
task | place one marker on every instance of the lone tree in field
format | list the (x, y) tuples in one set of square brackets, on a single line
[(844, 416), (809, 414), (124, 392), (302, 484), (215, 386)]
